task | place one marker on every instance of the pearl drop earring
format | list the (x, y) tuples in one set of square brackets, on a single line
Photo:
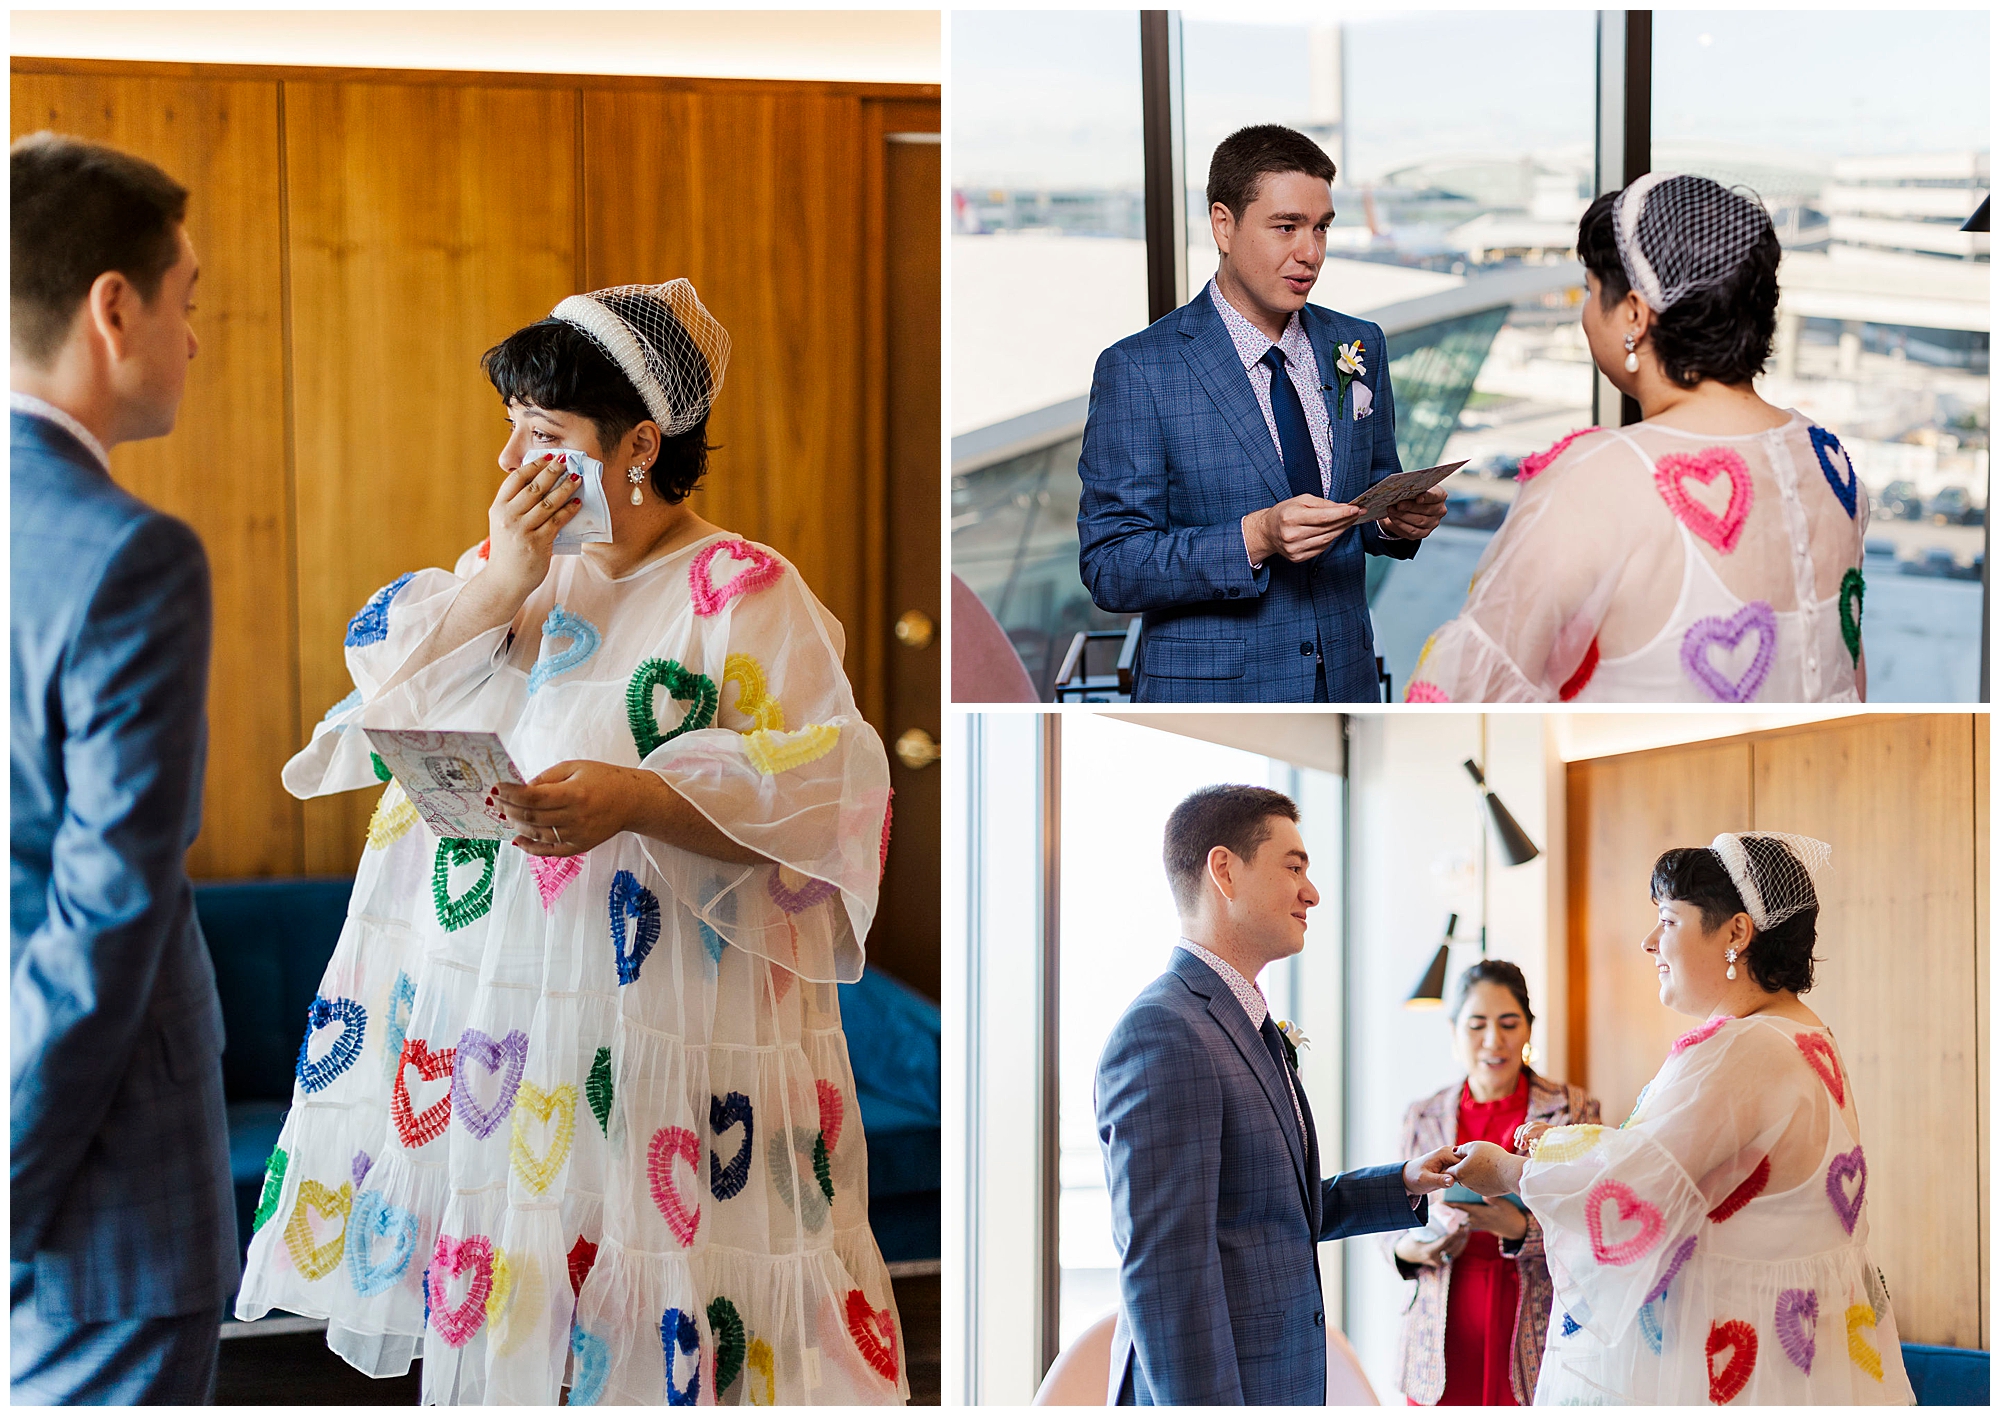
[(1632, 367), (1731, 957), (636, 474)]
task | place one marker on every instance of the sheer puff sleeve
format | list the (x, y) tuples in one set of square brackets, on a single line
[(1622, 1210), (788, 769), (1543, 587)]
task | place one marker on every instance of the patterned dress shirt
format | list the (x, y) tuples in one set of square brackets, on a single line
[(38, 408), (1251, 346), (1253, 1001)]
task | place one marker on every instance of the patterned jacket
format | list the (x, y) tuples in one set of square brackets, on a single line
[(1431, 1123)]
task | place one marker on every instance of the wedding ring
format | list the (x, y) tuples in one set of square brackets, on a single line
[(558, 831)]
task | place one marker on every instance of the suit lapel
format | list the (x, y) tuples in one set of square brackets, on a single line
[(1212, 356), (1235, 1023), (1314, 1205), (1325, 339)]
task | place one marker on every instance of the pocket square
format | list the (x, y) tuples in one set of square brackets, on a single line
[(1364, 400)]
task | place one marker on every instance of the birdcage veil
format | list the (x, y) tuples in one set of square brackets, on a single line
[(1776, 873), (1679, 233), (663, 339)]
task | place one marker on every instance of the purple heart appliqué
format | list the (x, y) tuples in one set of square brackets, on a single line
[(798, 901), (1797, 1320), (509, 1057), (1682, 1252), (362, 1164), (1705, 634), (1853, 1165)]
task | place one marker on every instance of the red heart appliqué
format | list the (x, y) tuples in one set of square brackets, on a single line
[(1579, 680), (582, 1255), (832, 1112), (420, 1128), (1820, 1054), (874, 1334), (1725, 1386), (1752, 1186)]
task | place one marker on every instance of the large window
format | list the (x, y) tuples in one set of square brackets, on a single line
[(1884, 317)]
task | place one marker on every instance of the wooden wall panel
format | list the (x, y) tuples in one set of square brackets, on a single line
[(756, 198), (223, 469), (1633, 808), (1897, 983), (1982, 855), (405, 268)]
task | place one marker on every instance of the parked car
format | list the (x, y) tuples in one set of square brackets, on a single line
[(1900, 500), (1952, 507)]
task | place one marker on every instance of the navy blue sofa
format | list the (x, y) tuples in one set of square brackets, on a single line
[(271, 939), (1947, 1376)]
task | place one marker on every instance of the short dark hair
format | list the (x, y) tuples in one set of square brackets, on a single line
[(1780, 957), (1720, 332), (1244, 157), (1238, 817), (82, 209), (1501, 971), (553, 365)]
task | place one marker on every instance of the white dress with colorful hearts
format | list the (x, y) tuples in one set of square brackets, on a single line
[(590, 1122), (1714, 1249), (1647, 564)]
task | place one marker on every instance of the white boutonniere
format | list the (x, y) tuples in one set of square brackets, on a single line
[(1350, 366), (1294, 1037)]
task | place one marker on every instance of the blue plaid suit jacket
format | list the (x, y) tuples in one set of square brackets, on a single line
[(120, 1150), (1175, 454), (1217, 1205)]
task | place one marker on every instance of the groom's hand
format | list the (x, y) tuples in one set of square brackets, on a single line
[(1298, 529), (1430, 1172), (1415, 517)]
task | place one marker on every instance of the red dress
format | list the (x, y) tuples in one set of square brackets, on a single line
[(1485, 1284)]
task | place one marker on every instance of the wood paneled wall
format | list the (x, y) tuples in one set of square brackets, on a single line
[(364, 236), (1902, 944)]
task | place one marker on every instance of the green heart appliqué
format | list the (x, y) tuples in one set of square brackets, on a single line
[(698, 691), (1852, 588), (274, 1186), (730, 1338), (474, 903), (598, 1089)]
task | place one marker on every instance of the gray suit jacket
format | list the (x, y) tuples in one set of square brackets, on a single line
[(120, 1150), (1217, 1204)]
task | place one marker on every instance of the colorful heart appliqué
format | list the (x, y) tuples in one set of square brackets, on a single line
[(582, 1257), (599, 1090), (396, 1025), (1649, 1326), (753, 697), (591, 1369), (1566, 1143), (1740, 1340), (763, 568), (451, 1258), (874, 1333), (1819, 1054), (683, 685), (812, 1203), (773, 752), (1694, 1037), (558, 1105), (1705, 634), (346, 1050), (584, 640), (1843, 486), (725, 1324), (1580, 680), (798, 901), (679, 1333), (372, 1221), (1865, 1356), (726, 1182), (371, 624), (671, 1143), (1683, 1251), (1570, 1326), (763, 1364), (1536, 463), (1752, 1186), (455, 914), (508, 1057), (393, 818), (274, 1187), (1630, 1208), (1853, 590), (1720, 531), (553, 874), (316, 1262), (417, 1129), (832, 1111), (1421, 691), (1851, 1166), (1796, 1322), (631, 900)]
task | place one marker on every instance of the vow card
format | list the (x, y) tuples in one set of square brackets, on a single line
[(451, 778), (1401, 486)]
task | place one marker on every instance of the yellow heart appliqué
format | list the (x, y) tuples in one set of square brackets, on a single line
[(538, 1173), (316, 1263), (1565, 1143), (516, 1305), (753, 695), (393, 818), (1865, 1357), (773, 752), (763, 1364)]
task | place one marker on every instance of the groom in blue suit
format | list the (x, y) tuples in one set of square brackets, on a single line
[(1210, 1154), (123, 1245), (1223, 447)]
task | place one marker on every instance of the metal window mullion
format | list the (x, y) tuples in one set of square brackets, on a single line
[(1165, 135), (1049, 1200), (1624, 139)]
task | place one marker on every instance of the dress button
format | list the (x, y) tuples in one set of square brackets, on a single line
[(1234, 591), (1319, 1319), (1306, 648)]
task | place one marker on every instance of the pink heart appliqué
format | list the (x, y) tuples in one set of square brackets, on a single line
[(552, 873), (451, 1257), (1630, 1207), (832, 1113), (763, 568), (1696, 1036), (1705, 466), (670, 1143)]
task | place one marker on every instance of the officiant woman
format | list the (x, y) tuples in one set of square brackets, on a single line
[(1476, 1322)]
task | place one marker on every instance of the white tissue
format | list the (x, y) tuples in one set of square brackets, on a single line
[(591, 525)]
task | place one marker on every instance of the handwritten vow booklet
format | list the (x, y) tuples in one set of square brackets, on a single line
[(451, 778), (1376, 501)]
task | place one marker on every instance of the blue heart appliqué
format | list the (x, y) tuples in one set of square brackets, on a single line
[(316, 1076), (353, 700), (677, 1329), (584, 640), (1821, 441), (711, 941), (402, 998), (630, 899), (1649, 1324), (371, 625), (1570, 1326), (375, 1219), (726, 1181), (593, 1365)]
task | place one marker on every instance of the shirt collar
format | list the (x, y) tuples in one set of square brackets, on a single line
[(1252, 343), (1247, 993), (34, 407)]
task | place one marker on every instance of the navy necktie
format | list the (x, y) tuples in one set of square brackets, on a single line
[(1294, 438)]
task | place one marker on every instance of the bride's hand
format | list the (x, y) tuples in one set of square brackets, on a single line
[(1526, 1136), (574, 806), (1488, 1169), (535, 501)]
